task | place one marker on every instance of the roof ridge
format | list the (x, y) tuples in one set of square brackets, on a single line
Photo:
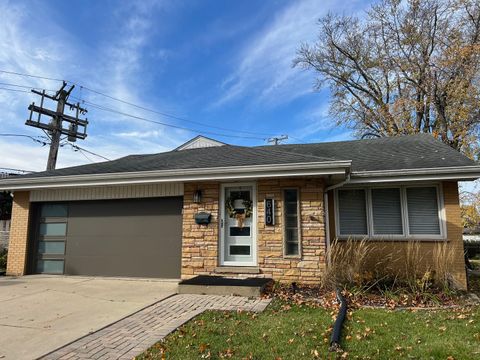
[(356, 140)]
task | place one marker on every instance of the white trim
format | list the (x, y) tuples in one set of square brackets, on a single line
[(150, 177), (406, 230), (222, 222)]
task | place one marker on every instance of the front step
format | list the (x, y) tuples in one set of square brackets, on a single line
[(219, 285)]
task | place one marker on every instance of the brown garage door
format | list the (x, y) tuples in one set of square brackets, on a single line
[(134, 237)]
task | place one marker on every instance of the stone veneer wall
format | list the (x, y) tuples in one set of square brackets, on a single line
[(200, 243), (390, 255)]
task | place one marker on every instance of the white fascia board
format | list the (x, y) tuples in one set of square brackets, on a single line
[(185, 175), (460, 173)]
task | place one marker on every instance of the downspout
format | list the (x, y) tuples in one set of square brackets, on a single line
[(327, 216)]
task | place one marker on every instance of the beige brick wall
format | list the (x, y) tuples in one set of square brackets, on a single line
[(200, 243), (17, 248), (391, 254)]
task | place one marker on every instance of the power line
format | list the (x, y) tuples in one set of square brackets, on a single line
[(46, 143), (148, 109), (76, 147), (100, 107), (166, 114), (103, 108), (27, 136), (29, 75)]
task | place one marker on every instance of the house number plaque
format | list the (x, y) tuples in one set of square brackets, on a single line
[(269, 212)]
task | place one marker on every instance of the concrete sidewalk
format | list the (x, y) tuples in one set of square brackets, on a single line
[(42, 313)]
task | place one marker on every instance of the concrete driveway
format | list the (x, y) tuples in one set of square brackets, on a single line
[(41, 313)]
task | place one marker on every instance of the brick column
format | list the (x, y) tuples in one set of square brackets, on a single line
[(17, 247)]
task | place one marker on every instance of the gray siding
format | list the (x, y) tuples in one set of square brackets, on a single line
[(108, 192)]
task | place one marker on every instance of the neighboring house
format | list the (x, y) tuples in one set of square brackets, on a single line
[(274, 209)]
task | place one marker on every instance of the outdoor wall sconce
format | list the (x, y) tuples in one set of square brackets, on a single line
[(197, 196)]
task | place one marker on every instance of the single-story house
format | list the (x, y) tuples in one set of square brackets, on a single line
[(208, 208)]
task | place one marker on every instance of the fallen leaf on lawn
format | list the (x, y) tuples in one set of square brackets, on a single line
[(442, 328), (203, 347), (344, 355), (291, 341)]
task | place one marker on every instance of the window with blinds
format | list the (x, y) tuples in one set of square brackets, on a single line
[(389, 211), (352, 212), (422, 206)]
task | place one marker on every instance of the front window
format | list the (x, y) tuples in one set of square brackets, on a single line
[(291, 221), (395, 212)]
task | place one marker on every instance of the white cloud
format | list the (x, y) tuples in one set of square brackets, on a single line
[(264, 68), (30, 45)]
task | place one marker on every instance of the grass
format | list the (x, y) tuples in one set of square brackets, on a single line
[(302, 332)]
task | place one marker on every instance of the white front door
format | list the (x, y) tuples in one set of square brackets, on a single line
[(238, 225)]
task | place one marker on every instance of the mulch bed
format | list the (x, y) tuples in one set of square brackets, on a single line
[(316, 296)]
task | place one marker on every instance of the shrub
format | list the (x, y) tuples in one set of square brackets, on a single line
[(353, 264)]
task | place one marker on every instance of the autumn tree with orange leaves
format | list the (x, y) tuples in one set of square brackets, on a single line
[(407, 67)]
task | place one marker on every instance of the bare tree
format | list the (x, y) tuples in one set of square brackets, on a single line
[(408, 67)]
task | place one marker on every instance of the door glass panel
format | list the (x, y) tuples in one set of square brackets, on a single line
[(51, 247), (239, 250), (53, 229), (50, 266), (54, 210), (237, 231)]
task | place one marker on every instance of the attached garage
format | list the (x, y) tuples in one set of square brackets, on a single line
[(128, 237)]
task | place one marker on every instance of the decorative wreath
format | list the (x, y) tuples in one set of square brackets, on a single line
[(232, 212)]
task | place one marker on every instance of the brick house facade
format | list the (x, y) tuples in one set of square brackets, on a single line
[(52, 217)]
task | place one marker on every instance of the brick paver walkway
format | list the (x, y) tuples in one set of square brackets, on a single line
[(131, 336)]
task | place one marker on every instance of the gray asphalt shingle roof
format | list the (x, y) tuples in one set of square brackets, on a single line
[(405, 152)]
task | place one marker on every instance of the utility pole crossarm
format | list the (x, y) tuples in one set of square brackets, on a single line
[(54, 126)]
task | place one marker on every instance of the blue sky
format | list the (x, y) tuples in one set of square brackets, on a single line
[(224, 64)]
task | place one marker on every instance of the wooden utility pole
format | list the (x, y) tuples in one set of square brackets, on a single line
[(55, 127), (55, 133), (276, 140)]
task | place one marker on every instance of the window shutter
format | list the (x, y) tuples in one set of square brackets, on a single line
[(387, 212), (352, 212), (423, 211)]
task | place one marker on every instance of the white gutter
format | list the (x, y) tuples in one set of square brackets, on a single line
[(159, 176), (459, 171)]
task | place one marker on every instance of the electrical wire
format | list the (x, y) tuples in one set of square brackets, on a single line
[(150, 110), (27, 136), (103, 108), (74, 146), (29, 75), (46, 143)]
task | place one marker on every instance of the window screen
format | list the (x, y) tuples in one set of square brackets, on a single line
[(423, 211), (387, 211), (290, 198), (352, 212)]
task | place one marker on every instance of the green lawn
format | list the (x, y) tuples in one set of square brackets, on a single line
[(301, 332)]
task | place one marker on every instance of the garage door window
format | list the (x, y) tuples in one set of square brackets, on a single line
[(51, 237)]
